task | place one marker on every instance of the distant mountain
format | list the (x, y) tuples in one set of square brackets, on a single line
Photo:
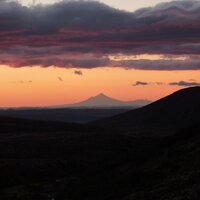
[(103, 101), (165, 116)]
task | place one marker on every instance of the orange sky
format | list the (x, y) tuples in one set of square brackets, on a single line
[(70, 35), (46, 89)]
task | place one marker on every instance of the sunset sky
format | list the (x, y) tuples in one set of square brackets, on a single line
[(61, 52)]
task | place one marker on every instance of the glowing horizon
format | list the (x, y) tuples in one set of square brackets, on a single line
[(36, 86)]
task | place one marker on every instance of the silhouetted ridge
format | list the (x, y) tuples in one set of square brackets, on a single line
[(11, 124), (172, 112)]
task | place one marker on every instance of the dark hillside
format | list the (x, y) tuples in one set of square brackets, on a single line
[(163, 117), (106, 167)]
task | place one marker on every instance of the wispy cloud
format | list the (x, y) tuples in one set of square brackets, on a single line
[(137, 83), (189, 83), (192, 79), (142, 83), (158, 83), (60, 79), (78, 72), (24, 81), (184, 83)]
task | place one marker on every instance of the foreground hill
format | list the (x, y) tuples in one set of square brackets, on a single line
[(174, 171), (164, 116), (101, 167)]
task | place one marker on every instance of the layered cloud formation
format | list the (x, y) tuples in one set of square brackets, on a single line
[(84, 34)]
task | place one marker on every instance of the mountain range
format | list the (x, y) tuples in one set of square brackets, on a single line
[(104, 101), (93, 108)]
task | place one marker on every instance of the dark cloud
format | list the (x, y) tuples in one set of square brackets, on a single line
[(184, 84), (188, 64), (78, 72), (190, 83), (82, 34), (137, 83)]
